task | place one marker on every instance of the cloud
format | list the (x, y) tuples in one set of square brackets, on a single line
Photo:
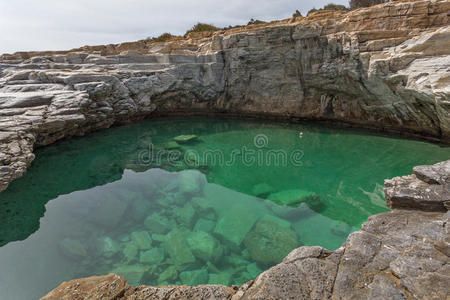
[(56, 24)]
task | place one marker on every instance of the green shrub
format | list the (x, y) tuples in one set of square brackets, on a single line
[(202, 27), (330, 6), (254, 22), (162, 38), (354, 4)]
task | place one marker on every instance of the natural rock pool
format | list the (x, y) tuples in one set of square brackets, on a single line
[(228, 200)]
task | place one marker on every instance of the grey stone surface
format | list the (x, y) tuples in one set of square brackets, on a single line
[(427, 190), (362, 68)]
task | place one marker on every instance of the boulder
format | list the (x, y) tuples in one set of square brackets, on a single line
[(234, 225), (107, 247), (183, 139), (170, 274), (141, 239), (262, 190), (204, 246), (195, 277), (204, 225), (223, 278), (185, 215), (254, 270), (130, 252), (73, 248), (158, 224), (133, 274), (436, 174), (178, 248), (204, 207), (295, 197), (152, 256), (191, 182), (109, 211), (268, 242)]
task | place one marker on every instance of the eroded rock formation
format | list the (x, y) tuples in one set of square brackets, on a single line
[(402, 254), (385, 67)]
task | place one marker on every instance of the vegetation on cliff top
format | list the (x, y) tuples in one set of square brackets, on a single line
[(204, 27)]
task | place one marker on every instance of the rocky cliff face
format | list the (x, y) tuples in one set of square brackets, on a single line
[(385, 67)]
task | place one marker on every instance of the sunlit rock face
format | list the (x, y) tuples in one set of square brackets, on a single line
[(385, 67)]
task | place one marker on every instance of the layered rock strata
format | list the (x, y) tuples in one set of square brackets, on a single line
[(384, 67), (402, 254)]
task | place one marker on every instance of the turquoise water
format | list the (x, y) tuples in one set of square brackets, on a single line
[(220, 206)]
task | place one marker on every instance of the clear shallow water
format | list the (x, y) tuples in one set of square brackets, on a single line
[(194, 213)]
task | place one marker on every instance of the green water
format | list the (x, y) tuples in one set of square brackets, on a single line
[(132, 201)]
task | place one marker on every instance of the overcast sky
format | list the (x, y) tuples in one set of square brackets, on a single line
[(65, 24)]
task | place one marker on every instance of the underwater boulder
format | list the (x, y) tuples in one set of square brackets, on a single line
[(204, 225), (262, 190), (268, 242), (294, 198), (185, 215), (158, 224), (191, 182), (141, 239), (223, 278), (183, 139), (130, 252), (194, 277), (107, 247), (152, 256), (178, 248), (72, 248), (133, 273), (169, 274), (204, 246), (234, 225)]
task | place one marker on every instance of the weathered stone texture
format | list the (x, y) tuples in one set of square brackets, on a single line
[(384, 67)]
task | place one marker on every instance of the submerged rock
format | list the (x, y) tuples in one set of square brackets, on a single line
[(109, 212), (152, 256), (294, 197), (235, 225), (72, 248), (182, 139), (223, 278), (204, 225), (169, 274), (141, 239), (133, 273), (185, 215), (262, 190), (191, 182), (178, 248), (254, 270), (130, 252), (158, 224), (268, 242), (171, 145), (194, 277), (107, 247), (204, 246)]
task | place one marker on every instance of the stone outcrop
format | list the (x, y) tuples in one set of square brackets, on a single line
[(384, 67), (428, 189), (402, 254)]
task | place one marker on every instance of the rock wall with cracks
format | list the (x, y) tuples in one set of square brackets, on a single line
[(386, 67)]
